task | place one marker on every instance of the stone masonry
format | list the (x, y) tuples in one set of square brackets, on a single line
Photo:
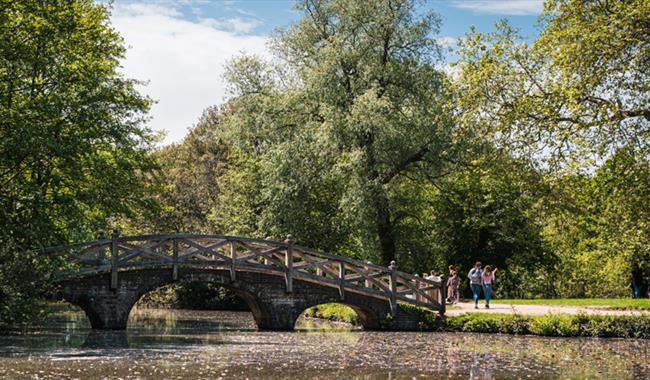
[(272, 307)]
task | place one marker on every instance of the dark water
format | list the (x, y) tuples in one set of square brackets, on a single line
[(162, 344)]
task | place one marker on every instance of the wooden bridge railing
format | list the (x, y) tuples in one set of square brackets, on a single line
[(247, 254)]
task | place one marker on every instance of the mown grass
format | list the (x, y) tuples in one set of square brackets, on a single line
[(611, 303)]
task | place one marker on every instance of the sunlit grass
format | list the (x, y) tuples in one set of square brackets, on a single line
[(613, 303), (333, 312)]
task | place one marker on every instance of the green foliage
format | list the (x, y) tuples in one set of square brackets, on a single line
[(374, 153), (72, 144), (191, 182), (575, 103), (487, 212), (337, 130), (556, 325), (576, 93), (600, 229), (559, 325), (193, 296), (22, 277), (73, 151), (333, 312), (609, 303)]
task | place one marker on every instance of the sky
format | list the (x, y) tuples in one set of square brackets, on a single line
[(179, 48)]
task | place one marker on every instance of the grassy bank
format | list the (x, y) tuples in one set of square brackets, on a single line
[(611, 303), (333, 312), (557, 325)]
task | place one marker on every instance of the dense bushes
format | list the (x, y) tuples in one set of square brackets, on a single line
[(549, 325)]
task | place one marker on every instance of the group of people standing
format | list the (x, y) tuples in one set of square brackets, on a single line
[(479, 279)]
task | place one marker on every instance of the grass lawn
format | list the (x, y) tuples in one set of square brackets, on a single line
[(612, 303)]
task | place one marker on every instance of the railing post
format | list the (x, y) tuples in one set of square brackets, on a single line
[(114, 251), (101, 255), (367, 282), (393, 288), (175, 265), (266, 260), (417, 286), (288, 262), (342, 279), (233, 258)]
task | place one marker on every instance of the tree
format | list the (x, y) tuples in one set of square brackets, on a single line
[(578, 99), (489, 212), (599, 228), (73, 149), (577, 93), (188, 183), (358, 107)]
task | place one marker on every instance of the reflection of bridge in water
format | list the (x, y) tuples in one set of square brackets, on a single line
[(278, 280)]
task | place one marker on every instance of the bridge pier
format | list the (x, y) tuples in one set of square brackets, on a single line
[(106, 309)]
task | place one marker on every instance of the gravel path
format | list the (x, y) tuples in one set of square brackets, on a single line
[(496, 308)]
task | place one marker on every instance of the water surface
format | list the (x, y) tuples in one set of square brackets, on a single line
[(184, 344)]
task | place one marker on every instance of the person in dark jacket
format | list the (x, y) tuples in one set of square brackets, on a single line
[(637, 281)]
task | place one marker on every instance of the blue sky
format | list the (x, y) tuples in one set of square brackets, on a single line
[(180, 47)]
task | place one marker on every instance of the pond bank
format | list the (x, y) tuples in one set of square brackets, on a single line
[(191, 344), (552, 325), (502, 307)]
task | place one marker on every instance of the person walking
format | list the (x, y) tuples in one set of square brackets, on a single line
[(487, 278), (475, 282), (637, 281), (453, 283)]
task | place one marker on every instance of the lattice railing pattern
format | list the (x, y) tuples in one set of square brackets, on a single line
[(234, 254)]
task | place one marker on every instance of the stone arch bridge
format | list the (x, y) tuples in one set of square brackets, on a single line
[(278, 280)]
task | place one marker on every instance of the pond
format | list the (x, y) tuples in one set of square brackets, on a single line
[(185, 344)]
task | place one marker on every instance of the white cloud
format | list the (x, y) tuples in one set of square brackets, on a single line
[(447, 41), (182, 60), (502, 7), (236, 24)]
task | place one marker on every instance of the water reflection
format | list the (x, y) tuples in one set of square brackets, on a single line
[(191, 344)]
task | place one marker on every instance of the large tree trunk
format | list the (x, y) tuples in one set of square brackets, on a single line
[(380, 203), (384, 228)]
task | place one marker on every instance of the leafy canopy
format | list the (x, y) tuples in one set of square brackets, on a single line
[(577, 93)]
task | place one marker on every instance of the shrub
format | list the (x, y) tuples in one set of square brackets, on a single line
[(555, 325), (543, 325), (333, 312)]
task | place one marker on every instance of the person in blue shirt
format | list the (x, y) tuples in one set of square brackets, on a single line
[(475, 282)]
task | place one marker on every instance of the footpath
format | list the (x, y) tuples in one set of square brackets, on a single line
[(497, 308)]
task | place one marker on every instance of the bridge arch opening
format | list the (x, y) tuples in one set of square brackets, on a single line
[(202, 295), (329, 312), (193, 295), (353, 315)]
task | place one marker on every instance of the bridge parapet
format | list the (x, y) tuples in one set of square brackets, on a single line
[(235, 254)]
